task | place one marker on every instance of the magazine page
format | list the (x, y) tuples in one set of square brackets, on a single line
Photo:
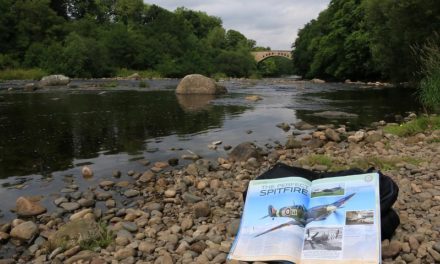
[(343, 221), (272, 224)]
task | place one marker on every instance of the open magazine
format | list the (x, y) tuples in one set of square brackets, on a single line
[(331, 220)]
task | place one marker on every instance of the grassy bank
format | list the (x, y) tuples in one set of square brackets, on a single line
[(415, 126), (22, 74)]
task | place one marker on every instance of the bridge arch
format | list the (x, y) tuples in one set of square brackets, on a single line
[(262, 55)]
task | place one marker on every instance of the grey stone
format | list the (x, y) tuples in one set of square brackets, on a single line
[(72, 206), (199, 84)]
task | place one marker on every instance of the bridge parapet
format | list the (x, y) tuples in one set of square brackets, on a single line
[(262, 55)]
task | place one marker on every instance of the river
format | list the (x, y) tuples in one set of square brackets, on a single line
[(48, 135)]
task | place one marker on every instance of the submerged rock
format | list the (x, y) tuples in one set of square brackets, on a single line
[(26, 207), (335, 114)]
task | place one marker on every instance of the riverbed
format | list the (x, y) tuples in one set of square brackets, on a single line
[(46, 136)]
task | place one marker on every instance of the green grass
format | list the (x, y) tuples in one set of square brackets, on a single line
[(146, 74), (22, 74), (104, 237), (434, 140), (218, 76), (317, 159), (415, 126), (383, 163), (429, 90), (111, 84)]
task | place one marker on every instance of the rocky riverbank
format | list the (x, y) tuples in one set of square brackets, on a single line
[(191, 215)]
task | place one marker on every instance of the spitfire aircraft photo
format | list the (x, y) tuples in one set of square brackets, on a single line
[(301, 216)]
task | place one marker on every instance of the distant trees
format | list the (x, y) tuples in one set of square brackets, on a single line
[(94, 38), (362, 40)]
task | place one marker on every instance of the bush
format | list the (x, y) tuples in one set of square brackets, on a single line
[(429, 90)]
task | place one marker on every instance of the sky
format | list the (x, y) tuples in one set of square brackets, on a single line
[(273, 24)]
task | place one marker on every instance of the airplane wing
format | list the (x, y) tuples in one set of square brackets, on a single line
[(292, 222), (321, 212)]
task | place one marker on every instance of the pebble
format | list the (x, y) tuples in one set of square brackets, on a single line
[(25, 230), (131, 193), (70, 206), (202, 209)]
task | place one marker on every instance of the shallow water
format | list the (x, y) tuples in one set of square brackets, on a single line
[(46, 135)]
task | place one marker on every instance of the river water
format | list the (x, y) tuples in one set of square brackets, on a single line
[(47, 136)]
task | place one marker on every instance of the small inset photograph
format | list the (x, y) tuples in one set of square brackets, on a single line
[(323, 238), (328, 190), (365, 217)]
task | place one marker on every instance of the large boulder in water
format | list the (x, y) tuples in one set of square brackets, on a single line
[(55, 80), (199, 84)]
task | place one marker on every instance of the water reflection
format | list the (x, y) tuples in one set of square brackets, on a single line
[(45, 132), (193, 103)]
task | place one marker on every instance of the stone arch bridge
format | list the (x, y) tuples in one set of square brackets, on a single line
[(262, 55)]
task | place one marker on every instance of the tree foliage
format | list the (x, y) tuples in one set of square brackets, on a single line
[(366, 39), (94, 38)]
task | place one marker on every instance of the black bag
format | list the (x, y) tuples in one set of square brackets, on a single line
[(388, 190)]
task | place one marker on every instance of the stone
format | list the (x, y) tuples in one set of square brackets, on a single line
[(4, 237), (24, 231), (26, 207), (232, 227), (71, 206), (124, 253), (146, 177), (134, 76), (202, 209), (73, 232), (106, 184), (170, 193), (131, 193), (30, 87), (146, 247), (357, 137), (335, 115), (116, 174), (72, 251), (86, 172), (86, 202), (373, 138), (316, 80), (391, 250), (332, 135), (173, 161), (301, 125), (191, 198), (253, 98), (54, 80), (284, 126), (244, 151), (199, 84), (82, 257), (130, 226), (186, 224), (80, 214), (293, 143)]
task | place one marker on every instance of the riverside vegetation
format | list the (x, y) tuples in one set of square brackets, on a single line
[(191, 214), (105, 38)]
